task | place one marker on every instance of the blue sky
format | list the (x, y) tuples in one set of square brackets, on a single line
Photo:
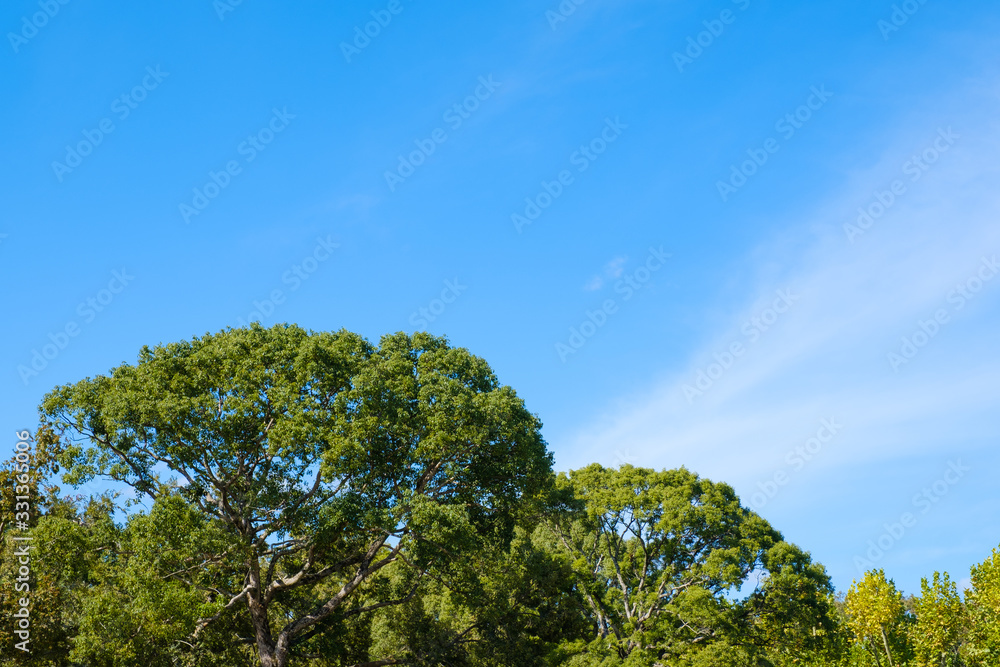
[(644, 215)]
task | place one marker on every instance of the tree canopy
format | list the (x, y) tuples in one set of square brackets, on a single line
[(661, 557), (287, 469), (286, 497)]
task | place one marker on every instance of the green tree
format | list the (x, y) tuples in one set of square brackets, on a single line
[(983, 601), (877, 618), (304, 470), (514, 608), (790, 616), (144, 591), (47, 537), (659, 558), (940, 622)]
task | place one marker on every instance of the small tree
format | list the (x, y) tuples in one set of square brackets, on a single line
[(983, 602), (876, 616), (940, 622)]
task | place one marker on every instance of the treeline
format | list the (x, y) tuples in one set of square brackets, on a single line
[(311, 499)]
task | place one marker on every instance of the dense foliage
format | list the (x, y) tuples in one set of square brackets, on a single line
[(298, 498)]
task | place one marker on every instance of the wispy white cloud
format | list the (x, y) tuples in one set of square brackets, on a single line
[(734, 417), (613, 269), (847, 307)]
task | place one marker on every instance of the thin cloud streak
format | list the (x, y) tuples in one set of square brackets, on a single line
[(827, 355)]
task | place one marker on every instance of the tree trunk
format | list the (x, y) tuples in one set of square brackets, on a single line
[(885, 642), (262, 631), (269, 657)]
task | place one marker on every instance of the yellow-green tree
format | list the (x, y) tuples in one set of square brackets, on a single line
[(983, 602), (940, 621), (877, 618)]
